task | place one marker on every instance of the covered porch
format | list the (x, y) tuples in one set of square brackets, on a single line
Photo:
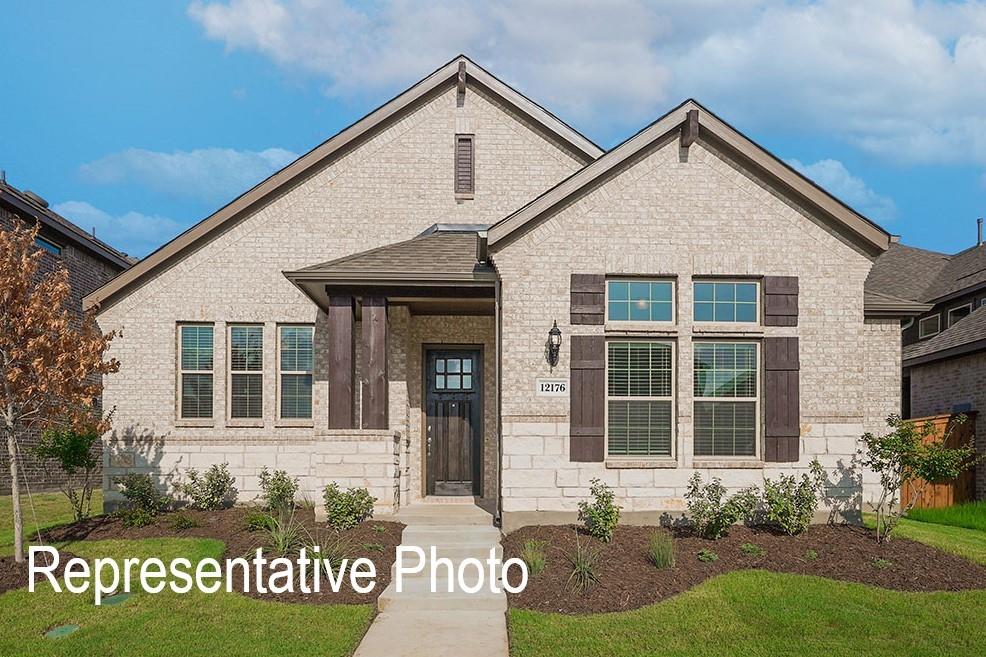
[(407, 335)]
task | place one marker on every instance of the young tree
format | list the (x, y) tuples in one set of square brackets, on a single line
[(71, 449), (910, 458), (51, 364)]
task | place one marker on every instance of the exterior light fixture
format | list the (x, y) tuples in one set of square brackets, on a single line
[(554, 344)]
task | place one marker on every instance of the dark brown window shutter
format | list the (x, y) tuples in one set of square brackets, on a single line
[(342, 356), (588, 299), (465, 173), (374, 363), (782, 434), (780, 295), (588, 398)]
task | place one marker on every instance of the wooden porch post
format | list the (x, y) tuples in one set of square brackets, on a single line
[(375, 363), (342, 356)]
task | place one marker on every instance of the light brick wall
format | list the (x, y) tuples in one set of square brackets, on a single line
[(700, 214), (389, 188), (940, 387)]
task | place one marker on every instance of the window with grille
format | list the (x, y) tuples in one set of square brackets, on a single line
[(195, 367), (726, 398), (246, 365), (639, 408), (639, 301), (720, 301), (296, 358), (453, 374)]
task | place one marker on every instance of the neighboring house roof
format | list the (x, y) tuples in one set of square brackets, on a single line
[(382, 116), (964, 270), (866, 233), (876, 304), (29, 204), (926, 276), (964, 336)]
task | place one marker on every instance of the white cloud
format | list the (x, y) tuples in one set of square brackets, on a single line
[(833, 176), (900, 78), (212, 175), (132, 232)]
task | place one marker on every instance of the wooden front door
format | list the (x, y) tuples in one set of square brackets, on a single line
[(453, 421)]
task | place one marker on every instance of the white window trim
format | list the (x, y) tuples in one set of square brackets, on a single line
[(243, 421), (921, 333), (630, 324), (757, 438), (967, 306), (727, 326), (673, 399), (294, 421), (180, 420)]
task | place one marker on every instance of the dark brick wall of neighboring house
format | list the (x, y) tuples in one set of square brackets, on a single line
[(86, 273)]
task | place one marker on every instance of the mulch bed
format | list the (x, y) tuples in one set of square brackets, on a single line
[(14, 575), (627, 579), (374, 540)]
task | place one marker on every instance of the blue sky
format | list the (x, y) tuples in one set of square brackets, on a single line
[(140, 119)]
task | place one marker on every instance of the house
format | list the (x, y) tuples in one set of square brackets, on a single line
[(944, 347), (90, 263), (383, 313)]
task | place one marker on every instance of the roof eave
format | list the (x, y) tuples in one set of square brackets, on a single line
[(900, 310), (953, 352)]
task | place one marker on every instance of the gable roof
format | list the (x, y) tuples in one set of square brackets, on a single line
[(927, 276), (369, 124), (866, 233), (964, 336)]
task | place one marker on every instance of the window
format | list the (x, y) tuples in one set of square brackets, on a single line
[(955, 314), (51, 247), (727, 302), (639, 398), (453, 374), (639, 301), (929, 326), (246, 364), (726, 398), (465, 174), (296, 372), (195, 368)]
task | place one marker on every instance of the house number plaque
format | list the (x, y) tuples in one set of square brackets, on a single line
[(552, 387)]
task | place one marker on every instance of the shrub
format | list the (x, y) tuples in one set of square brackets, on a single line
[(584, 567), (379, 529), (347, 509), (284, 535), (811, 555), (181, 521), (141, 493), (711, 511), (72, 450), (789, 503), (707, 556), (660, 550), (373, 547), (277, 490), (137, 517), (752, 550), (259, 521), (601, 515), (211, 491), (882, 564), (330, 548), (533, 555)]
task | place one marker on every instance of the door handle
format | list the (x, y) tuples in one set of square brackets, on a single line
[(429, 440)]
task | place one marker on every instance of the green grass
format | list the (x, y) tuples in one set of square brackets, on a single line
[(968, 543), (757, 613), (970, 516), (50, 509), (168, 624)]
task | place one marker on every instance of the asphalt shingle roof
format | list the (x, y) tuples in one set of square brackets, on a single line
[(966, 331)]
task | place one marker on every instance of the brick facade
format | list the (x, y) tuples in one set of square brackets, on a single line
[(86, 273), (943, 386)]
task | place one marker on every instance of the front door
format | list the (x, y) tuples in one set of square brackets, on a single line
[(453, 430)]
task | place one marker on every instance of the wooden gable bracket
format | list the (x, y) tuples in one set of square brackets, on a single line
[(689, 129), (460, 98)]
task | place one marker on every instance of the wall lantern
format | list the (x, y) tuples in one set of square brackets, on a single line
[(554, 344)]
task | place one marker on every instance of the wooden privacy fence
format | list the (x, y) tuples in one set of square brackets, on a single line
[(959, 490)]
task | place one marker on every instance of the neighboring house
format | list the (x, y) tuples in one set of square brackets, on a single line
[(378, 314), (90, 263), (944, 347)]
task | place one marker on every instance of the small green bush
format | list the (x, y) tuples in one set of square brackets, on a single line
[(712, 511), (73, 451), (373, 547), (601, 515), (533, 555), (328, 548), (790, 503), (882, 564), (752, 550), (141, 493), (379, 529), (660, 550), (211, 491), (584, 562), (137, 517), (811, 555), (181, 521), (260, 521), (707, 556), (346, 509), (285, 535), (277, 490)]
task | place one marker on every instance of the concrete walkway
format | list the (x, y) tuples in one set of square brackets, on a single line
[(419, 623)]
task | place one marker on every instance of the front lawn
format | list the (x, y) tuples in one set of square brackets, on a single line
[(760, 613), (968, 543), (50, 509), (970, 516)]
